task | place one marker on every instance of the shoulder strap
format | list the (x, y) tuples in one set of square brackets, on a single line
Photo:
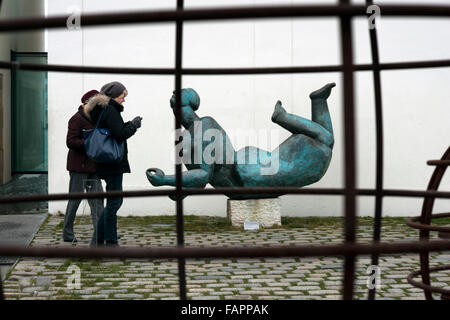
[(100, 117)]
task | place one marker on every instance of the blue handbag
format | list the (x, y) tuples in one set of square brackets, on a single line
[(100, 146)]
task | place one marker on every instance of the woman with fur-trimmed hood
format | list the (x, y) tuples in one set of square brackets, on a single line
[(110, 101), (81, 170)]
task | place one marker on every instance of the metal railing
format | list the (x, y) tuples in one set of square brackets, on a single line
[(350, 249)]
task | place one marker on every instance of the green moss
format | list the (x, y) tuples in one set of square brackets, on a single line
[(88, 283), (71, 296), (155, 290)]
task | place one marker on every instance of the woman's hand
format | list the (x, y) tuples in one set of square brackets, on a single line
[(155, 176)]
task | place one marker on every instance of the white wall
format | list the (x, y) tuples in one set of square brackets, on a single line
[(416, 112)]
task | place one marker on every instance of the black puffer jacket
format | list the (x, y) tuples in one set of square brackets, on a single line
[(120, 130)]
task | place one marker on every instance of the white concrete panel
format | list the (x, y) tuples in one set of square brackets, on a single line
[(218, 45), (134, 45), (361, 37), (366, 131), (64, 95), (316, 42), (416, 117)]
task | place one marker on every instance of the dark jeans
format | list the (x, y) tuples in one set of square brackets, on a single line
[(78, 183), (107, 224)]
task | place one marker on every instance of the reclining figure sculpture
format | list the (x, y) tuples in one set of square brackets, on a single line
[(302, 159)]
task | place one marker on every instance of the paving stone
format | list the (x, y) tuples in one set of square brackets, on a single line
[(268, 297), (46, 293), (251, 285), (417, 294), (109, 291), (260, 280), (128, 296), (283, 293), (102, 284), (321, 292), (275, 284), (75, 291), (165, 294), (401, 286), (303, 288), (396, 276), (237, 297), (44, 281), (202, 290), (94, 296), (14, 295), (254, 292), (209, 277), (201, 281), (216, 285), (297, 297), (33, 289), (133, 283), (206, 298), (339, 287)]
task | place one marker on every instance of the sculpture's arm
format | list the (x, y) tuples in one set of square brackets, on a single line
[(195, 178)]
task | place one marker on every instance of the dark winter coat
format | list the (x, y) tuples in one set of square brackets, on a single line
[(120, 130), (77, 160)]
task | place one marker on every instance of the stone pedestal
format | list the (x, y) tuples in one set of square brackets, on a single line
[(267, 212)]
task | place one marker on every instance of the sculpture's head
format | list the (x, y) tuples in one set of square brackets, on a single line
[(189, 98)]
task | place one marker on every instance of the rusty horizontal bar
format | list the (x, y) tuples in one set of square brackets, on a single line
[(216, 191), (219, 71), (225, 252), (444, 235), (424, 286), (227, 13), (438, 162), (412, 222)]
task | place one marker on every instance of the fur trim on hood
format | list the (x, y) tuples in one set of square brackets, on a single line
[(98, 99)]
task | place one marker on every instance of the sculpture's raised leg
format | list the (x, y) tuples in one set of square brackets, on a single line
[(319, 128), (319, 107)]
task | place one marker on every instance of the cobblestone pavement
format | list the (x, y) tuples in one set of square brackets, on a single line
[(286, 278)]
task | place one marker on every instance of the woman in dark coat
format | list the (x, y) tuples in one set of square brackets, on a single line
[(110, 100), (81, 170)]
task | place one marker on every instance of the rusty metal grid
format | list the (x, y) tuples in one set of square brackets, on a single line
[(350, 249)]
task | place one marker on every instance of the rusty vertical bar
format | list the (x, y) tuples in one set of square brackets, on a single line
[(2, 297), (178, 174), (1, 285), (349, 146), (427, 210), (379, 145)]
